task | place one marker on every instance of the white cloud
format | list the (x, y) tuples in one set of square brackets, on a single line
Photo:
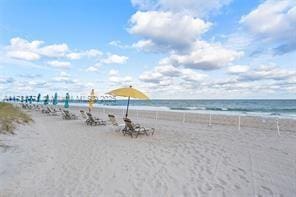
[(93, 68), (23, 55), (267, 72), (165, 74), (192, 7), (204, 56), (113, 72), (88, 53), (23, 49), (115, 59), (64, 77), (59, 64), (116, 78), (169, 30), (146, 45), (274, 21), (119, 44), (20, 48), (6, 80), (55, 50), (238, 69), (74, 56), (193, 76)]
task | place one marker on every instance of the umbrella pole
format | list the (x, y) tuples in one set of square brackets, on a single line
[(127, 106)]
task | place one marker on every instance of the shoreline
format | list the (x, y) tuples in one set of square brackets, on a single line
[(286, 111)]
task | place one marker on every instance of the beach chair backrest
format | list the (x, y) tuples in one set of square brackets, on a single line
[(64, 113), (48, 109), (112, 119), (83, 114), (67, 113), (128, 123), (90, 116)]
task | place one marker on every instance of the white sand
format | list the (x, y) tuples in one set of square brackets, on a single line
[(55, 157)]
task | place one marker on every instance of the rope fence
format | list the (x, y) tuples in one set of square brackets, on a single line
[(239, 121)]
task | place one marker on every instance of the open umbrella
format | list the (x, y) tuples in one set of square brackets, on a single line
[(128, 92), (66, 105), (46, 100), (38, 98), (91, 99), (55, 99), (30, 99)]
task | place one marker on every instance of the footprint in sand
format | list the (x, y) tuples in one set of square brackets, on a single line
[(209, 171), (244, 178), (222, 181), (218, 191), (265, 191), (119, 193)]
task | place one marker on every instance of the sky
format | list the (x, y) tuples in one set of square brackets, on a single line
[(169, 49)]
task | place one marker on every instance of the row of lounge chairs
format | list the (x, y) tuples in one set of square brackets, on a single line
[(128, 128)]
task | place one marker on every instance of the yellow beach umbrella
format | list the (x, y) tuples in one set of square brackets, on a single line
[(91, 99), (129, 92)]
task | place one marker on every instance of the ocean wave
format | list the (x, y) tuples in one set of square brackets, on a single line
[(209, 108)]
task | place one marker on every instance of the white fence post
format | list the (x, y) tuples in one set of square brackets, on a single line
[(183, 117), (210, 120), (239, 122), (278, 127)]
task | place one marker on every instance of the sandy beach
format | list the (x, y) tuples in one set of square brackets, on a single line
[(56, 157)]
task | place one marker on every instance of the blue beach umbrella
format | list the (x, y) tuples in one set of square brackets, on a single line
[(67, 100), (46, 100), (30, 99), (38, 98), (55, 99)]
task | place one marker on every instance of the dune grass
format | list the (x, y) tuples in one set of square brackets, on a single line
[(10, 116)]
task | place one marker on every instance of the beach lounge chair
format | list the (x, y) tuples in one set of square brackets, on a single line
[(135, 129), (45, 111), (68, 116), (84, 117), (94, 121), (114, 123), (51, 111)]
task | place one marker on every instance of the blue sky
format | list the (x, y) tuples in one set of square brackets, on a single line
[(167, 48)]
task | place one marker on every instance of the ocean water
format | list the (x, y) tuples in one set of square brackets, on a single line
[(285, 108), (256, 107)]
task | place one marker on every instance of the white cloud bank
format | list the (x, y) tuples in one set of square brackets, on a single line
[(23, 49), (204, 56), (274, 21), (59, 64), (198, 8), (115, 59), (166, 28)]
